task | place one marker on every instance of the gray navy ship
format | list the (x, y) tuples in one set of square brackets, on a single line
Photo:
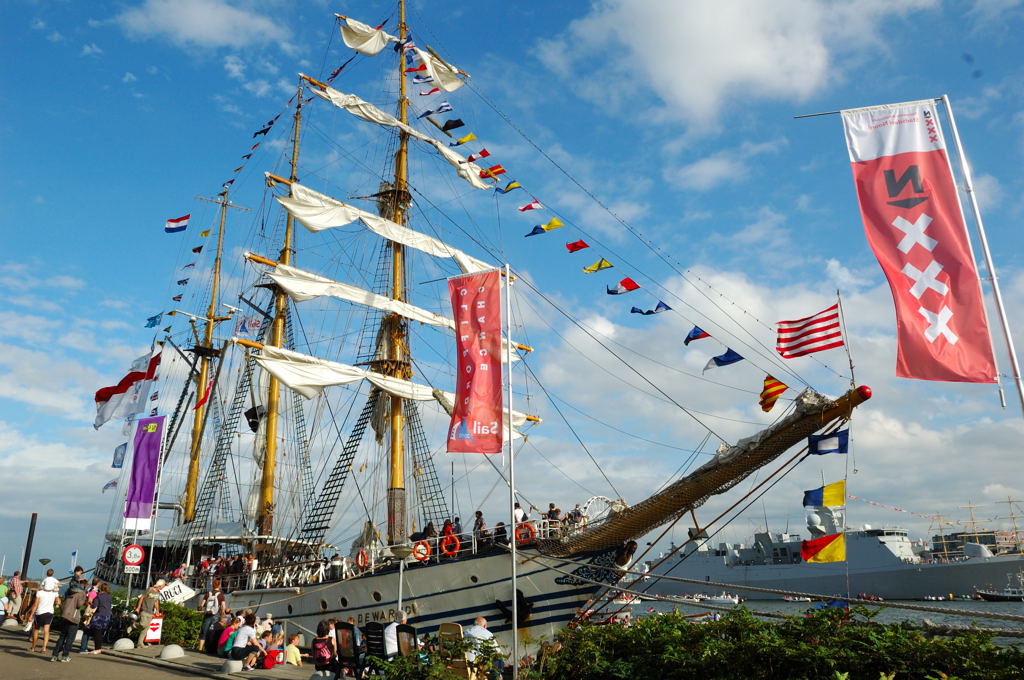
[(881, 562)]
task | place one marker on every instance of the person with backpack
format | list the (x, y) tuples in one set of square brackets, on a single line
[(213, 608), (324, 658), (71, 616), (102, 606)]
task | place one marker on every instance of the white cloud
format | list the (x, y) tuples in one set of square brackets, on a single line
[(38, 24), (90, 49), (989, 191), (727, 166), (129, 77), (203, 23), (696, 57), (235, 67), (259, 87), (55, 36)]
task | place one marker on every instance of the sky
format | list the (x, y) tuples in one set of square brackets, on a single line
[(662, 134)]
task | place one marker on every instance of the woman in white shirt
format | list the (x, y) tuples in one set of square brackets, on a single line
[(42, 616)]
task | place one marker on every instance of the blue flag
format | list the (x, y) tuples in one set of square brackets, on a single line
[(836, 442), (119, 455), (729, 357), (661, 307), (695, 334), (154, 321)]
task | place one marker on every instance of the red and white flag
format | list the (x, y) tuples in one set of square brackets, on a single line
[(915, 226), (809, 334), (426, 93), (532, 205), (128, 396), (483, 153), (476, 424)]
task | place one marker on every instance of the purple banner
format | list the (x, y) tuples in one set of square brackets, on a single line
[(138, 507)]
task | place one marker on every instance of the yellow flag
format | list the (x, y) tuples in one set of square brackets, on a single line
[(555, 223), (204, 234), (831, 548), (598, 266)]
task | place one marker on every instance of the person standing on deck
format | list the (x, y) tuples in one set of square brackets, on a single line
[(148, 606)]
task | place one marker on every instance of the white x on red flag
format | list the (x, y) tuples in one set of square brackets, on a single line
[(810, 334)]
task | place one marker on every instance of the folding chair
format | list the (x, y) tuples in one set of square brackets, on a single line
[(348, 652), (459, 665)]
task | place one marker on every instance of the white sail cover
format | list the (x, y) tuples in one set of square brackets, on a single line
[(318, 211), (367, 111), (302, 285), (309, 376), (444, 75), (364, 39)]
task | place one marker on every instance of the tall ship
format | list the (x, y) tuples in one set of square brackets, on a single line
[(307, 394)]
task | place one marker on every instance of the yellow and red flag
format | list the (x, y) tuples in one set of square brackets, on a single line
[(771, 392)]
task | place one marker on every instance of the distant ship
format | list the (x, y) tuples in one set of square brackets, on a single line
[(880, 563)]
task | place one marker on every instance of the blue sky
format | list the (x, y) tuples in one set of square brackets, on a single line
[(679, 120)]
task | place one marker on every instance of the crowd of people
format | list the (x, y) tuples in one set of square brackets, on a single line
[(81, 606)]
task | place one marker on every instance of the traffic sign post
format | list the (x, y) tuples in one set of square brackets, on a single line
[(132, 568), (133, 555)]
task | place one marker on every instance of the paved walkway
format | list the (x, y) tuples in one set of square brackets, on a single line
[(17, 663)]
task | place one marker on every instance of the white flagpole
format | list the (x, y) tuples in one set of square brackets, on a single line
[(511, 474), (996, 294)]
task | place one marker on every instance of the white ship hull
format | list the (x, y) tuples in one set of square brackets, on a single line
[(875, 566), (435, 593)]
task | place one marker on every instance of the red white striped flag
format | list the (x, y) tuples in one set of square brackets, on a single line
[(810, 334), (771, 392), (483, 153)]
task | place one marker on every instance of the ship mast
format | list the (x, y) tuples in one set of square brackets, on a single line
[(204, 349), (393, 206), (265, 512)]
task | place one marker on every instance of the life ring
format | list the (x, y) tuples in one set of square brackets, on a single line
[(446, 545), (362, 559), (421, 551), (525, 533)]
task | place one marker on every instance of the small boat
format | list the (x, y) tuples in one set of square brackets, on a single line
[(1011, 593), (795, 598), (721, 598)]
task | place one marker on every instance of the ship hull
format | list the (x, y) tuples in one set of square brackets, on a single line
[(871, 569), (456, 591)]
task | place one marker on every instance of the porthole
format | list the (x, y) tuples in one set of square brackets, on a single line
[(344, 602), (323, 605), (474, 579), (376, 596), (289, 609)]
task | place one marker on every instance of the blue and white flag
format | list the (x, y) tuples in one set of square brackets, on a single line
[(835, 442), (154, 321), (119, 453), (661, 307), (177, 224), (444, 107), (419, 80), (112, 484), (729, 357)]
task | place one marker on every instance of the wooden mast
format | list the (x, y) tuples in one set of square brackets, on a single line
[(265, 516), (204, 350), (397, 363)]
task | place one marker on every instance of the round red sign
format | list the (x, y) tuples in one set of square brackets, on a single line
[(133, 555)]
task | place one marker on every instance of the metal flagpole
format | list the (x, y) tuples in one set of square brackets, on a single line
[(511, 475), (996, 294)]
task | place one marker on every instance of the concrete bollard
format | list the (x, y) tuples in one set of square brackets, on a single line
[(231, 666), (321, 674), (172, 652), (10, 624), (124, 644)]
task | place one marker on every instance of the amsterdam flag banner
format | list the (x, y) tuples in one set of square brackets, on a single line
[(477, 413), (771, 392), (831, 548), (914, 224)]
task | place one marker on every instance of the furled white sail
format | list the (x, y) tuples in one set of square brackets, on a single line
[(445, 76), (318, 211), (367, 111), (364, 39), (309, 376), (301, 285)]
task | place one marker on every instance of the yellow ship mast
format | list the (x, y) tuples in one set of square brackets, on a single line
[(397, 362), (265, 516), (204, 350)]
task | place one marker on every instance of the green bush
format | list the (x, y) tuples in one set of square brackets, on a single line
[(181, 625)]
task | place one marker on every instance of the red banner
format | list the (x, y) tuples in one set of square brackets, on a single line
[(915, 227), (476, 425)]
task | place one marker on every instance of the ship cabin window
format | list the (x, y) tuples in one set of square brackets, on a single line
[(377, 597), (474, 579), (323, 605), (343, 602), (289, 609)]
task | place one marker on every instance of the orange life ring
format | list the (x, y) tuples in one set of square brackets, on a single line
[(525, 533), (421, 551), (362, 559), (448, 541)]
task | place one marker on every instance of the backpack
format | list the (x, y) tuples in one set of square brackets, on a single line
[(323, 653), (213, 603)]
